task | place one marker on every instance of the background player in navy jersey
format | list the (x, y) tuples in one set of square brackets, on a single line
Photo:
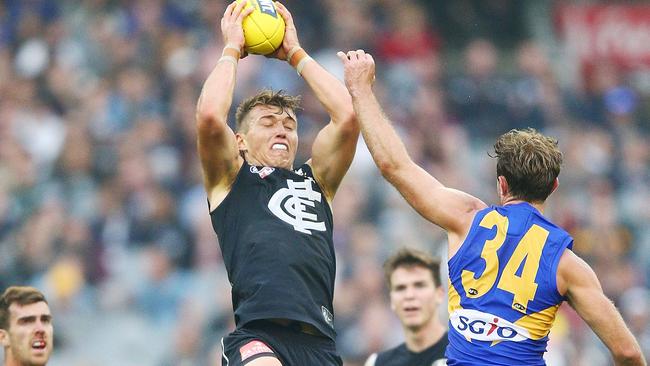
[(509, 268), (26, 331), (274, 222), (416, 292)]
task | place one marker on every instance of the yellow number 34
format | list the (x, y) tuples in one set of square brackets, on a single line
[(529, 249)]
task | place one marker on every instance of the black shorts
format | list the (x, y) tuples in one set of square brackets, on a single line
[(292, 347)]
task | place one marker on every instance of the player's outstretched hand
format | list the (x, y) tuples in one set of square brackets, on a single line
[(231, 25), (290, 34), (359, 69)]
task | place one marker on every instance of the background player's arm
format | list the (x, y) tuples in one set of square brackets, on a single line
[(581, 286), (449, 208), (216, 142), (334, 147)]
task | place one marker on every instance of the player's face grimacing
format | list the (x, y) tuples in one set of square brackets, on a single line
[(414, 296), (30, 333), (272, 137)]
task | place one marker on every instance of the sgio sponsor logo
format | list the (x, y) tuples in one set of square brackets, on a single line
[(474, 324)]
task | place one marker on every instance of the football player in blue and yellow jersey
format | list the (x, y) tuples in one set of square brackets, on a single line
[(510, 268)]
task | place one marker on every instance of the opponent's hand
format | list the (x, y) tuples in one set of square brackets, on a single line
[(359, 70), (290, 34), (231, 25)]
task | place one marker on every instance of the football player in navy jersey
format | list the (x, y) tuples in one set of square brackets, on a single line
[(273, 219), (416, 293), (510, 268)]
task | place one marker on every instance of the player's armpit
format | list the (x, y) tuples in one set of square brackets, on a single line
[(581, 286)]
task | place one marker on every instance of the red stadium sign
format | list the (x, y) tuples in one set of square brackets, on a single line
[(618, 33)]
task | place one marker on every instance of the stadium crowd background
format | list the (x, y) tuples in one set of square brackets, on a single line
[(101, 202)]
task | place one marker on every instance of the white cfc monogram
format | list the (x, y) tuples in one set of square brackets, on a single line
[(289, 205)]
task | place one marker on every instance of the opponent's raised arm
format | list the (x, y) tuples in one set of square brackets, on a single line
[(579, 283), (216, 142), (448, 208), (334, 147)]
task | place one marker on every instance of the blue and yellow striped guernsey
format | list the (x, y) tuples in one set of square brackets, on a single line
[(502, 287)]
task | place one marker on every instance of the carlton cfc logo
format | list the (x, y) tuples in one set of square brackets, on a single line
[(474, 324), (290, 205)]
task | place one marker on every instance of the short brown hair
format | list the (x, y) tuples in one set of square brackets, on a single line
[(22, 295), (529, 161), (409, 257), (265, 97)]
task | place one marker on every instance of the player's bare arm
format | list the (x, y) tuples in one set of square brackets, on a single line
[(448, 208), (579, 283), (334, 147), (216, 142)]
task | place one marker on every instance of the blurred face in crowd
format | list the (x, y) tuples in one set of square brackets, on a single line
[(414, 296), (29, 338), (270, 137)]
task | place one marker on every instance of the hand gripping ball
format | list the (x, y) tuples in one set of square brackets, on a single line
[(263, 28)]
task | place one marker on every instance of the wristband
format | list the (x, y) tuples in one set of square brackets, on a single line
[(231, 47), (297, 57), (292, 51), (230, 53), (302, 63), (228, 58)]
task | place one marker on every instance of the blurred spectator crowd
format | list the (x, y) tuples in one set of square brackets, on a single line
[(101, 201)]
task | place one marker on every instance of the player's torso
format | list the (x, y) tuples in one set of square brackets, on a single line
[(503, 293), (275, 234)]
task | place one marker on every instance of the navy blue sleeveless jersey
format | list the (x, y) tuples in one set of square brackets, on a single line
[(402, 356), (275, 233), (503, 294)]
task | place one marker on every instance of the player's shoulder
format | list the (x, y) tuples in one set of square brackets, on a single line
[(553, 228)]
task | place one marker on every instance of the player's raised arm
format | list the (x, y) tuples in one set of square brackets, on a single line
[(334, 147), (451, 209), (581, 286), (216, 142)]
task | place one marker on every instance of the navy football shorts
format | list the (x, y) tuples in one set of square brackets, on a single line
[(291, 347)]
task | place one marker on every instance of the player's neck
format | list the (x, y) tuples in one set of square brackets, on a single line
[(251, 160), (512, 201), (10, 361), (425, 337)]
